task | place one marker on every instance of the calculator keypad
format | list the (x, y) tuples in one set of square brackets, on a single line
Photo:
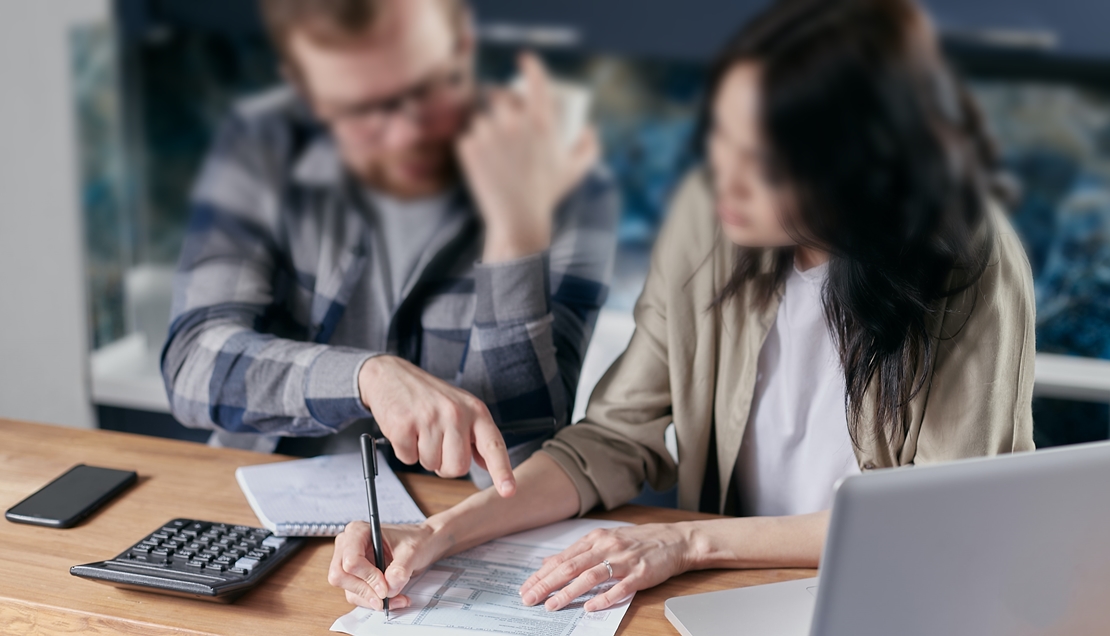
[(199, 546), (197, 559)]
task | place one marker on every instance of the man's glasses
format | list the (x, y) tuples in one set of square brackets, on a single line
[(421, 102)]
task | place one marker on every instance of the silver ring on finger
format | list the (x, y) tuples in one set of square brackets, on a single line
[(607, 567)]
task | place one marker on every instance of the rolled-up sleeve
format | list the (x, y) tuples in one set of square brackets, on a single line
[(220, 367), (534, 316), (620, 444)]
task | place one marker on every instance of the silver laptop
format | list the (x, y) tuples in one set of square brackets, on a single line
[(1014, 545)]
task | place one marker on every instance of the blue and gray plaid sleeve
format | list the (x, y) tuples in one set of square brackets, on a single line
[(238, 358), (220, 367), (534, 316)]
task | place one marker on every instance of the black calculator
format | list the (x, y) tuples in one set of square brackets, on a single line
[(198, 559)]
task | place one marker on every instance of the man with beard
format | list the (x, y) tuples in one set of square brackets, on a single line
[(383, 245)]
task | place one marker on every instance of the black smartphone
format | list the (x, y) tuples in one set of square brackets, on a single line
[(70, 498)]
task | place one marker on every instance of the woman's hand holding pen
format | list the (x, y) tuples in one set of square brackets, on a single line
[(411, 549), (408, 549)]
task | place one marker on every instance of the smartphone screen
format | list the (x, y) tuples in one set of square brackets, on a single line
[(71, 497)]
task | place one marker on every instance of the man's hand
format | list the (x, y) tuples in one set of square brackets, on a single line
[(433, 422), (408, 549), (518, 166)]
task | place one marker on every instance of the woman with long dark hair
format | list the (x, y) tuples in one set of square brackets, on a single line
[(835, 290)]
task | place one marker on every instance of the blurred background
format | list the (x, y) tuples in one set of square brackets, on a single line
[(108, 107)]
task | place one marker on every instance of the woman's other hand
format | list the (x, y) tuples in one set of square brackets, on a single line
[(641, 557)]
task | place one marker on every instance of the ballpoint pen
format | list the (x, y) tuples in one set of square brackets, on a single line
[(369, 472)]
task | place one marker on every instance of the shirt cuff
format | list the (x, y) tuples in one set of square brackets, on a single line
[(588, 497), (512, 292), (331, 386)]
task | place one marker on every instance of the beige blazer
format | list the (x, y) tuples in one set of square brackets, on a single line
[(696, 367)]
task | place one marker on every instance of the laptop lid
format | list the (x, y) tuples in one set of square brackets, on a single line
[(1015, 545)]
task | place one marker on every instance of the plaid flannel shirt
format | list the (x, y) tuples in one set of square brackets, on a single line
[(275, 248)]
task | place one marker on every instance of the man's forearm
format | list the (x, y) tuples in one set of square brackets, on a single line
[(544, 494), (511, 347), (204, 363)]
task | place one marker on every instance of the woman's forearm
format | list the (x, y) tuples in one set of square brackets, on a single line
[(646, 555), (544, 494), (757, 542)]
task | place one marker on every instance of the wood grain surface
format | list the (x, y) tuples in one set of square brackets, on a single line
[(182, 479)]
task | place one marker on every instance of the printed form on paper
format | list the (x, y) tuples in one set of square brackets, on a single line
[(476, 592)]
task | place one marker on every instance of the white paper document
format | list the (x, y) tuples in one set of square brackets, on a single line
[(476, 592), (321, 495)]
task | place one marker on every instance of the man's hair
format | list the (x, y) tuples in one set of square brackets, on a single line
[(333, 21)]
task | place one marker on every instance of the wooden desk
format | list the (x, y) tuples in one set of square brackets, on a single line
[(181, 479)]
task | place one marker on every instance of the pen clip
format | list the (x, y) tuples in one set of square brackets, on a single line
[(369, 456)]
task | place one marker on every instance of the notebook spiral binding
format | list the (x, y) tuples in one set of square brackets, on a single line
[(309, 529)]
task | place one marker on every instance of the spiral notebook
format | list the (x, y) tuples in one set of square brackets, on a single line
[(321, 495)]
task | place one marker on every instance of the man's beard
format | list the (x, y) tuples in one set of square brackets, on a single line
[(420, 172)]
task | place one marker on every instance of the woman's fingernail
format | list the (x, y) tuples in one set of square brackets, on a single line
[(506, 487), (530, 598)]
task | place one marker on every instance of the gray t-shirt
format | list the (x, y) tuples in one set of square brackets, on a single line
[(399, 233), (406, 228)]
